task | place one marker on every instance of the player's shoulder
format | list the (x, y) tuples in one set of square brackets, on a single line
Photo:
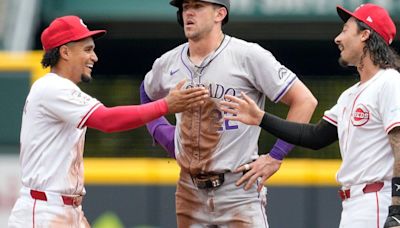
[(241, 44), (43, 81), (388, 79), (391, 74), (247, 49), (52, 82)]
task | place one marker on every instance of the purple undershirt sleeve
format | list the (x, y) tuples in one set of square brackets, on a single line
[(160, 129)]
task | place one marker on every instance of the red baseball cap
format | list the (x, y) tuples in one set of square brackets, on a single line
[(66, 29), (376, 17)]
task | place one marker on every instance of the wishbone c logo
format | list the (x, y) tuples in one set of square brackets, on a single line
[(360, 115)]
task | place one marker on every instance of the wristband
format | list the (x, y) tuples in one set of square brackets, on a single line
[(280, 149), (396, 186)]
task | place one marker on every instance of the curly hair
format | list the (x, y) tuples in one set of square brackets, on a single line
[(381, 53), (51, 57)]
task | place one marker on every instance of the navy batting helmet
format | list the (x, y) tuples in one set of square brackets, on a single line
[(224, 3)]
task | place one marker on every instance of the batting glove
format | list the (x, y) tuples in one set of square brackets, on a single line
[(393, 219)]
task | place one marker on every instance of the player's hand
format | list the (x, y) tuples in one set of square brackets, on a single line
[(179, 99), (393, 219), (264, 167), (244, 110)]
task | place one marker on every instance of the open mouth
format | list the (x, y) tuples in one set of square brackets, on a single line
[(90, 66), (189, 22)]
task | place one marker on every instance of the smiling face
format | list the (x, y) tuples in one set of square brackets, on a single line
[(199, 18), (351, 42), (81, 58)]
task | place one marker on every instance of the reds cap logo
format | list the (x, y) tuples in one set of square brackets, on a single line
[(360, 115)]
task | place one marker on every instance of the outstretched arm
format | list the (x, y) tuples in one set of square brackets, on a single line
[(313, 136), (123, 118)]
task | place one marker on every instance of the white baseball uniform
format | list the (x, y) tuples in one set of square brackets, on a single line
[(51, 158), (205, 142), (364, 114)]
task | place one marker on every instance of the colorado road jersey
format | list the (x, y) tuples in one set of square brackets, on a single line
[(205, 142), (364, 115), (53, 135)]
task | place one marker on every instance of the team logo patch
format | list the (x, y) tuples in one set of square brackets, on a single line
[(360, 115), (283, 73)]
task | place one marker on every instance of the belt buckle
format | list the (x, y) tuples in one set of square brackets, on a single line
[(216, 183), (207, 181)]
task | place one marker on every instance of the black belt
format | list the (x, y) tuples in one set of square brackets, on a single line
[(208, 180)]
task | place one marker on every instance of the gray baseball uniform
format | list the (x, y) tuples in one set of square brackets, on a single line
[(208, 144)]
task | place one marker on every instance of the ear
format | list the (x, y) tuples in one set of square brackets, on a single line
[(365, 34), (64, 52), (221, 14)]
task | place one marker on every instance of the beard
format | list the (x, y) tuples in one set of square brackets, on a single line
[(191, 35), (343, 63), (86, 78)]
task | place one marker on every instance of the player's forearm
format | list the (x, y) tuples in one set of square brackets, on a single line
[(394, 139), (122, 118), (314, 136)]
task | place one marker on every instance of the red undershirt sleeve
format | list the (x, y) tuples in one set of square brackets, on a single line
[(123, 118)]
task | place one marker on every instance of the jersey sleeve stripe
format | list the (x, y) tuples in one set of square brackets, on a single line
[(393, 125), (330, 120), (283, 92), (83, 121)]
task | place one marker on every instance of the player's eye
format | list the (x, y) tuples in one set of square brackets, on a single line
[(89, 49)]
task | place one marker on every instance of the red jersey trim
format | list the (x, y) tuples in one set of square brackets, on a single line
[(84, 119), (393, 125), (330, 120)]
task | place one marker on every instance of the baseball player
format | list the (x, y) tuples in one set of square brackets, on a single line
[(365, 120), (54, 122), (206, 147)]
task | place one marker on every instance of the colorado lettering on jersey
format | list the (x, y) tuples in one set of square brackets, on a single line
[(360, 115), (218, 92)]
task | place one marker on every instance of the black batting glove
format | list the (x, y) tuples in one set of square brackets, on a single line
[(393, 219)]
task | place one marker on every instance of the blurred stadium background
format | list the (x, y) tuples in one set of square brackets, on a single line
[(130, 181)]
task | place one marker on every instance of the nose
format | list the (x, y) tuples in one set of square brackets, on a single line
[(94, 57), (337, 39)]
